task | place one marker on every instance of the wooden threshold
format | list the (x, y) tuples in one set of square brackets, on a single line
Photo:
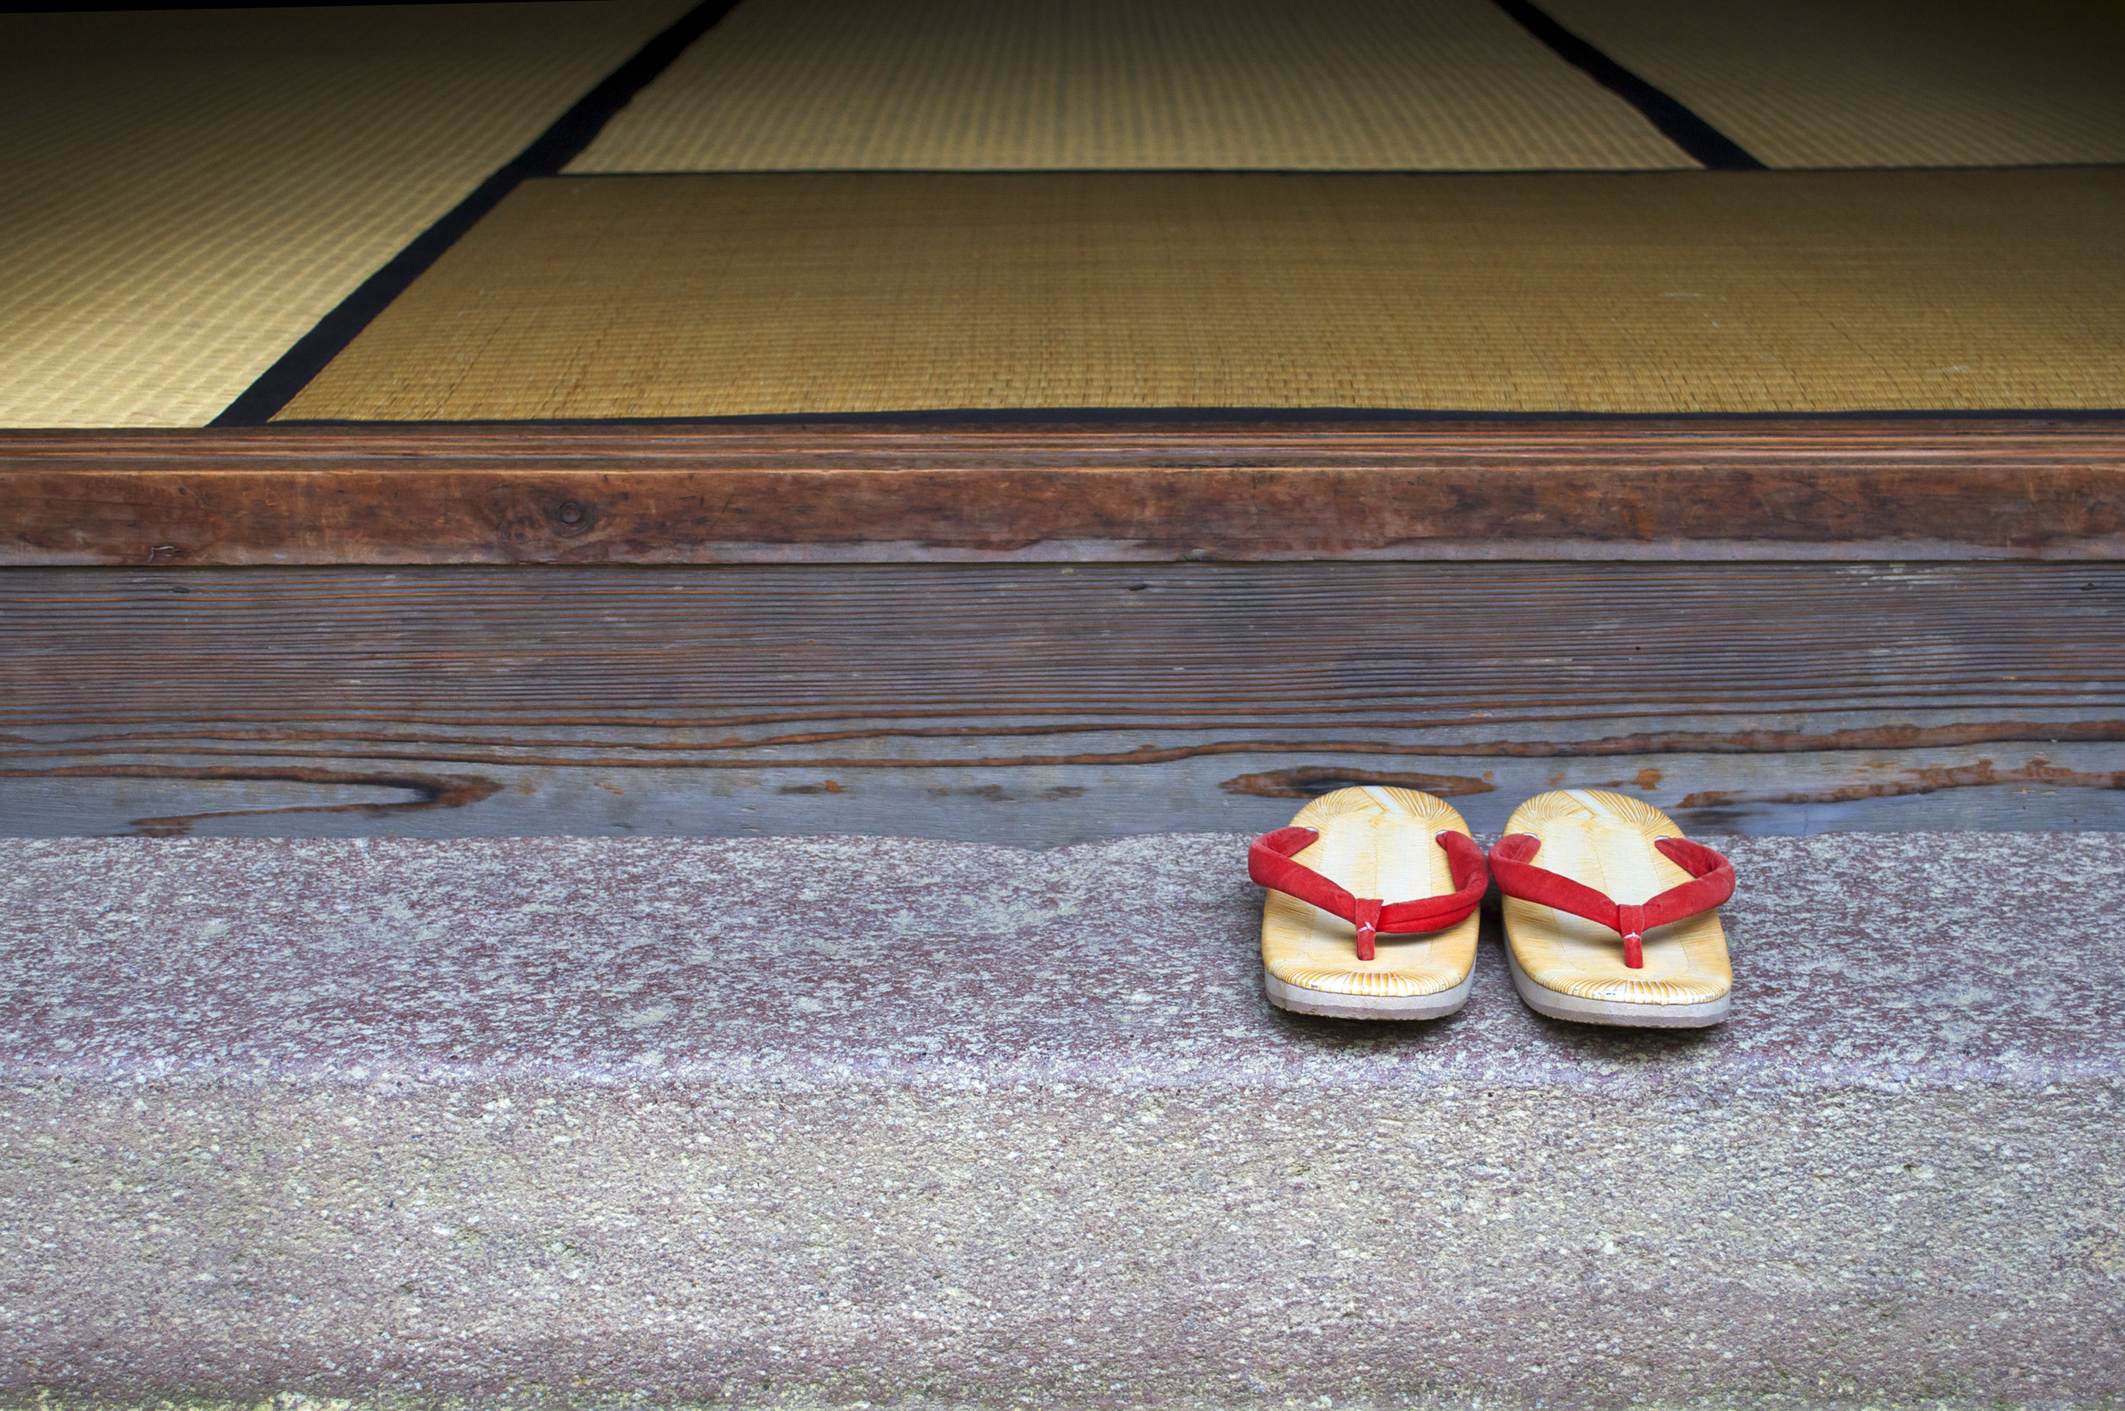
[(1045, 703), (1596, 489)]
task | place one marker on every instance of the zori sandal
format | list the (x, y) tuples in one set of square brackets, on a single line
[(1615, 926), (1331, 944)]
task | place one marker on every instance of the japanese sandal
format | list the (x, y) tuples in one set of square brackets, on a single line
[(1332, 943), (1615, 924)]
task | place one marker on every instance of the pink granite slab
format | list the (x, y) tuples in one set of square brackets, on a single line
[(1896, 959), (860, 1122)]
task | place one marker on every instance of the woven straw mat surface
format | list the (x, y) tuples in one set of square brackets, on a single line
[(1850, 83), (1068, 84), (1647, 292), (190, 191)]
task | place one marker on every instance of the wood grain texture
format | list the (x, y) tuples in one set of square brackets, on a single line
[(1570, 967), (1377, 843), (1037, 704), (1602, 490)]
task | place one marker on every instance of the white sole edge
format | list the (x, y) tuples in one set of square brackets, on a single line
[(1543, 1000), (1300, 1000)]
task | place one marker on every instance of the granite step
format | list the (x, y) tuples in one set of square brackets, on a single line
[(862, 1121)]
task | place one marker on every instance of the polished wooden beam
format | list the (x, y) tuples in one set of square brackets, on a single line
[(1526, 489)]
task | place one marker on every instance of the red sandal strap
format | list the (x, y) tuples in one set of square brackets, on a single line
[(1269, 863), (1711, 883)]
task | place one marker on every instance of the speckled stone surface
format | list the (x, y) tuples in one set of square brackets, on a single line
[(840, 1121)]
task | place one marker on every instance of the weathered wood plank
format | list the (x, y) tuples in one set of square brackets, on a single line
[(1039, 704), (1593, 490)]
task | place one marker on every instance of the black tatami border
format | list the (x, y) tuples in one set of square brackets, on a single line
[(548, 153), (1100, 418), (1662, 109)]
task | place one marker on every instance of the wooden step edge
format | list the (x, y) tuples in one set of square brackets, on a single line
[(1596, 490)]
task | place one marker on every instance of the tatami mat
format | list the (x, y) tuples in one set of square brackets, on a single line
[(1651, 292), (1834, 83), (190, 191), (1063, 84)]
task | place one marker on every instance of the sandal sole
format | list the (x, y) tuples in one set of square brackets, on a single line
[(1544, 1000), (1300, 1000), (1293, 931)]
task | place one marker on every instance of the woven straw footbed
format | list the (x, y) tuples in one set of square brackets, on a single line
[(1674, 292), (191, 191), (1844, 83), (1085, 84)]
